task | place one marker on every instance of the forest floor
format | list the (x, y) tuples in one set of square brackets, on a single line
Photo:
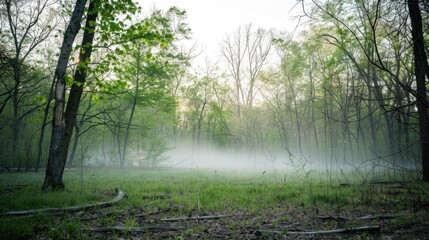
[(182, 204)]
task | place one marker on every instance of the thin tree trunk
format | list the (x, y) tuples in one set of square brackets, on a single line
[(133, 107), (200, 121), (127, 132), (313, 105), (16, 123), (44, 124), (74, 147)]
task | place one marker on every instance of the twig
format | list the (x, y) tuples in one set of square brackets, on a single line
[(259, 232), (134, 229), (371, 217), (343, 230), (367, 217), (329, 217), (120, 195), (194, 218)]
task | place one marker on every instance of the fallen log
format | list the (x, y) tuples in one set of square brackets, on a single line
[(120, 195), (135, 229)]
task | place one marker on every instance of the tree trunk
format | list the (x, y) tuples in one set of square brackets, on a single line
[(55, 166), (421, 68), (74, 146), (43, 127), (133, 107), (80, 75)]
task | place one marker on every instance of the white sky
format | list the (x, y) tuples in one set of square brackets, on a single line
[(212, 20)]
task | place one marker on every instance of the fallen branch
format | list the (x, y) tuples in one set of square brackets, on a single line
[(194, 218), (286, 228), (343, 230), (120, 195), (380, 217), (329, 217), (135, 229), (367, 217)]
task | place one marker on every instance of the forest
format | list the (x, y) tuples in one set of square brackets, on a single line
[(105, 84)]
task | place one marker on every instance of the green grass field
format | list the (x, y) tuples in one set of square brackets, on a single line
[(252, 201)]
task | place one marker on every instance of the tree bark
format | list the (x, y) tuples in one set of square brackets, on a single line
[(55, 166), (421, 67)]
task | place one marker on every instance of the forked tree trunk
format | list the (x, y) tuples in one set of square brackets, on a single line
[(79, 77), (61, 125)]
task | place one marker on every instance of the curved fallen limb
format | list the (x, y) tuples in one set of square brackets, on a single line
[(120, 195)]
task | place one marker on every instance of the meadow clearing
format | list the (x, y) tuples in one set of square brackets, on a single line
[(208, 204)]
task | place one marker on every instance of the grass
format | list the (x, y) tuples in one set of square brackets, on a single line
[(214, 191)]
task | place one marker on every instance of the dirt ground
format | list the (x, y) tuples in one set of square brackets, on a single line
[(279, 222)]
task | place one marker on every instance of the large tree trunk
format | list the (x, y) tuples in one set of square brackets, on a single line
[(421, 68), (80, 76), (57, 152)]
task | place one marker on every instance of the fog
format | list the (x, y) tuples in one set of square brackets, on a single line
[(215, 158)]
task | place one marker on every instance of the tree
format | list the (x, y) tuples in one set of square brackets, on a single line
[(28, 25), (151, 64), (421, 69), (372, 36), (64, 121), (58, 147), (246, 52)]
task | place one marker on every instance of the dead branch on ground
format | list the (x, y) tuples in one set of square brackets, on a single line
[(342, 230), (135, 229), (194, 218), (367, 217), (120, 195)]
